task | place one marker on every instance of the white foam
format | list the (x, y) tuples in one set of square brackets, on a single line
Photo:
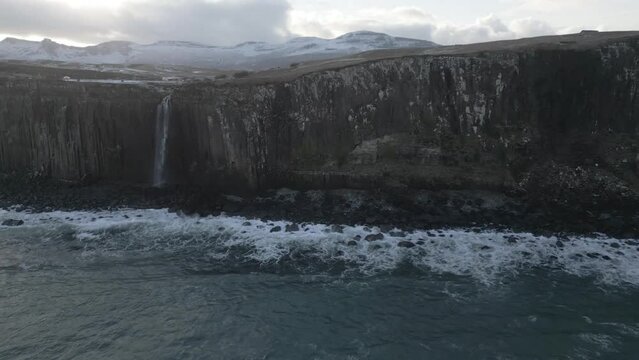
[(487, 256), (603, 342)]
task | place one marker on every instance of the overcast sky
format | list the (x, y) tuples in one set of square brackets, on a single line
[(228, 22)]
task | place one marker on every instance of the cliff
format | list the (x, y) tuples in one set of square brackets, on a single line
[(488, 116), (77, 132), (476, 120)]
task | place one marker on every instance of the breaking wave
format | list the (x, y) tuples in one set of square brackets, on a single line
[(225, 244)]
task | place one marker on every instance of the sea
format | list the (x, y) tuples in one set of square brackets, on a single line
[(153, 284)]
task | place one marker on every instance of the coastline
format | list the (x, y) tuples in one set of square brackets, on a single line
[(402, 208)]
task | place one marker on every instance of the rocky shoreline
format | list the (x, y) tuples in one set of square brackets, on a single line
[(536, 209)]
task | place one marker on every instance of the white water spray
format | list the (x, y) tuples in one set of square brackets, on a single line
[(486, 256), (162, 119)]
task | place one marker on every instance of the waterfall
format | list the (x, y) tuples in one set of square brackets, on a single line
[(162, 119)]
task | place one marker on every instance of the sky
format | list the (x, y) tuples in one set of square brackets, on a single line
[(229, 22)]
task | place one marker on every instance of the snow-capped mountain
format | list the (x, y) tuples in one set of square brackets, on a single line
[(249, 55)]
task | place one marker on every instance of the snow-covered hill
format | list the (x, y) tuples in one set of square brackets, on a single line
[(250, 55)]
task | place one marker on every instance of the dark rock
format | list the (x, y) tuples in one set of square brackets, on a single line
[(374, 237), (337, 229), (276, 229), (406, 244), (292, 227), (371, 220), (399, 234), (246, 223), (615, 245), (357, 237), (352, 243), (559, 244), (605, 217), (386, 228), (11, 222)]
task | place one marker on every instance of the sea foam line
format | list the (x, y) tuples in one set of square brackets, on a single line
[(485, 255)]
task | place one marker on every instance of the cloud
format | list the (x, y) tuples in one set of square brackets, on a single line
[(222, 22), (491, 28), (32, 17), (532, 27), (417, 23), (228, 22)]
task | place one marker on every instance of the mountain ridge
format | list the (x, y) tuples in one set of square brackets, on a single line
[(249, 55)]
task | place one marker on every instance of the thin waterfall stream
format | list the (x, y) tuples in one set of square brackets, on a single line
[(162, 121)]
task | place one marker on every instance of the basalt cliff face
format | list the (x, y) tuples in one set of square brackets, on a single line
[(552, 118), (75, 132), (482, 120)]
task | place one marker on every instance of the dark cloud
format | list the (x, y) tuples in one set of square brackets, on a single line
[(37, 17), (223, 22)]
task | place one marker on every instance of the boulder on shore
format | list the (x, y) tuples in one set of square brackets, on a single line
[(12, 222)]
